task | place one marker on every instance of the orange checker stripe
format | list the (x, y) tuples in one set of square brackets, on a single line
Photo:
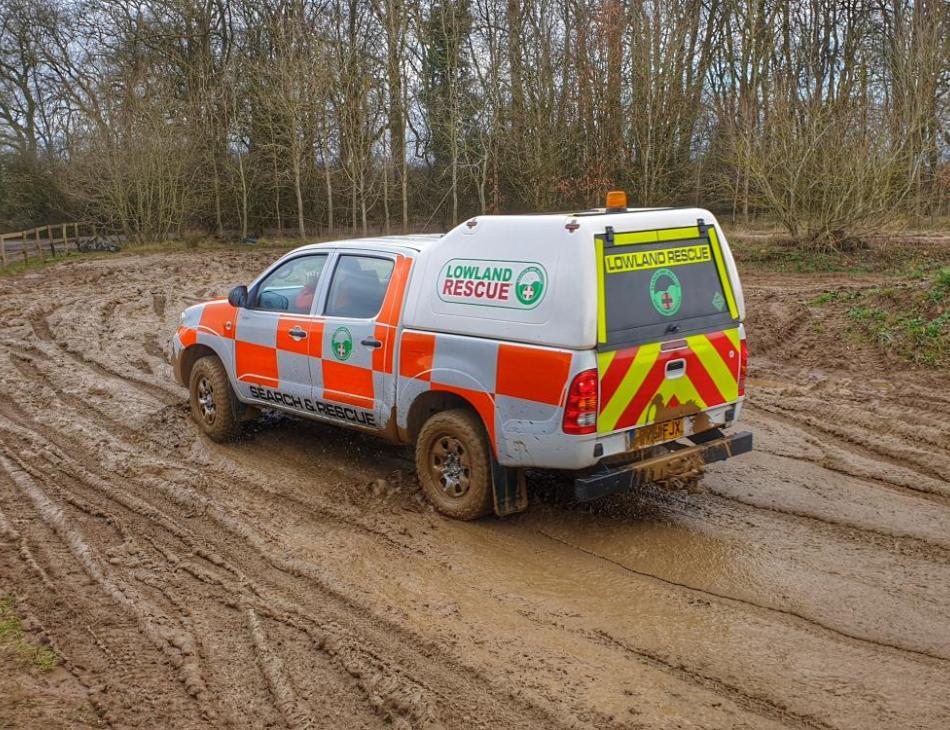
[(416, 355), (483, 402), (532, 373), (383, 356), (392, 304), (188, 336), (255, 363), (348, 383), (316, 338), (215, 314), (286, 342)]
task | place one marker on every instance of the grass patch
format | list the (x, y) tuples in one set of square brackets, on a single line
[(35, 263), (213, 244), (906, 255), (16, 644), (835, 296), (18, 266), (941, 286), (867, 314), (909, 318), (785, 259)]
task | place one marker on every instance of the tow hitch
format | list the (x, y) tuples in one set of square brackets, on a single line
[(712, 447)]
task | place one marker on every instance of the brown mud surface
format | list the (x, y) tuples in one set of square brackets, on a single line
[(297, 579)]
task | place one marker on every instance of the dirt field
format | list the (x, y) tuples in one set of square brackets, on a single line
[(298, 579)]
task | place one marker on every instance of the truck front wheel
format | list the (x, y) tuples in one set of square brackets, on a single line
[(454, 464), (213, 403)]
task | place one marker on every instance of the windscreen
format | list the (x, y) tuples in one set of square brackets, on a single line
[(659, 284)]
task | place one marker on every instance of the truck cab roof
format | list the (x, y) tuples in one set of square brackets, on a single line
[(415, 242)]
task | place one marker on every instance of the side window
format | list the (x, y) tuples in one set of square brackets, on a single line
[(358, 286), (291, 286)]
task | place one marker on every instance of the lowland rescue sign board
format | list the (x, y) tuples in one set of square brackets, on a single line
[(489, 283)]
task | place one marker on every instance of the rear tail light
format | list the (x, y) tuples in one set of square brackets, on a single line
[(743, 365), (580, 411)]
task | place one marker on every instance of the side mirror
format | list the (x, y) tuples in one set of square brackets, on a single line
[(237, 297)]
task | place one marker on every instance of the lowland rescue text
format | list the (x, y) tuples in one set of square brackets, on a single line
[(638, 260), (329, 410)]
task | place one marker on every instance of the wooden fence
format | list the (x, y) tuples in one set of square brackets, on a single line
[(42, 241)]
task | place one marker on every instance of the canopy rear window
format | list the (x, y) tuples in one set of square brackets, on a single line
[(659, 284)]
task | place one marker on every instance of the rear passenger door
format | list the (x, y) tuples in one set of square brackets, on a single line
[(355, 376)]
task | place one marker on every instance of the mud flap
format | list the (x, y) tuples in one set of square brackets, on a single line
[(509, 489)]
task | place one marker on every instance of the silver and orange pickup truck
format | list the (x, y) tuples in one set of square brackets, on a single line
[(608, 344)]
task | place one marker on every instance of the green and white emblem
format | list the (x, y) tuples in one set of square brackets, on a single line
[(342, 343), (666, 294), (529, 287), (718, 302)]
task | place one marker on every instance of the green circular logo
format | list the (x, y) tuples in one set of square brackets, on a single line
[(666, 292), (342, 343), (529, 287)]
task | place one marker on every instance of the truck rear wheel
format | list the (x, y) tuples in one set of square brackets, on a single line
[(454, 464), (213, 403)]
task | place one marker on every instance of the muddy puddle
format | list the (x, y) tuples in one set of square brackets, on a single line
[(297, 579)]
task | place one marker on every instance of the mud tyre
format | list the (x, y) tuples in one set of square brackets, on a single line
[(453, 464), (214, 407)]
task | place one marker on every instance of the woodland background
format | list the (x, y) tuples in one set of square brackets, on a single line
[(168, 118)]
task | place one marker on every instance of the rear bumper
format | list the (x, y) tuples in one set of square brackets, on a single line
[(608, 480), (551, 448)]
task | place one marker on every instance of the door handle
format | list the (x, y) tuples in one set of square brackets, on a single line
[(297, 333), (371, 342)]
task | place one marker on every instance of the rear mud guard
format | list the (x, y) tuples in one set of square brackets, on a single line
[(508, 488), (607, 480)]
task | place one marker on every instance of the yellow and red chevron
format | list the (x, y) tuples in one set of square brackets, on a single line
[(633, 377)]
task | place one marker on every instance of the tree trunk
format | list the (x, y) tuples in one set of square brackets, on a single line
[(298, 193)]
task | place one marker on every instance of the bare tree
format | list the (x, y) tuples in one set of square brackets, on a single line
[(161, 116)]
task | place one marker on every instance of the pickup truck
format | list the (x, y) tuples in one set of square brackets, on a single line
[(607, 343)]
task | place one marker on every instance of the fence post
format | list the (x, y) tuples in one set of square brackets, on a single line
[(3, 250)]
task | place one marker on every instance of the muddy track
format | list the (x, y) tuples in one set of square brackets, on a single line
[(297, 579), (751, 605)]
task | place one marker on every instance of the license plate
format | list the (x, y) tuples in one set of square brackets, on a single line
[(658, 432)]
